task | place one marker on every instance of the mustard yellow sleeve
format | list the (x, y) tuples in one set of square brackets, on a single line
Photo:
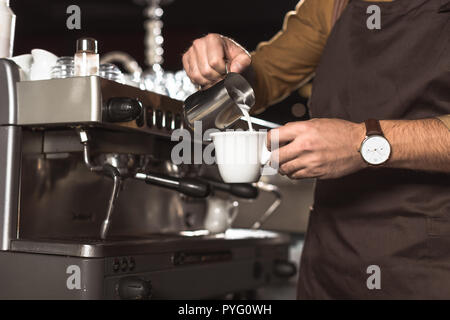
[(290, 58), (446, 120)]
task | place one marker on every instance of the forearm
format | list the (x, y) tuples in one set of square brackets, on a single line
[(289, 59), (418, 144)]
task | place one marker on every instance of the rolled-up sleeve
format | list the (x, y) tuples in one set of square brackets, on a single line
[(446, 120), (290, 58)]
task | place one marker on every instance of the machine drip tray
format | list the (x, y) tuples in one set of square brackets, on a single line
[(112, 239), (148, 244)]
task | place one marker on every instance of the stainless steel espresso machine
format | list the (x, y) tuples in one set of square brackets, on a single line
[(91, 207)]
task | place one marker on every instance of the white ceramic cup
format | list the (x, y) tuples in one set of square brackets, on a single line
[(43, 62), (220, 214), (24, 61), (241, 155)]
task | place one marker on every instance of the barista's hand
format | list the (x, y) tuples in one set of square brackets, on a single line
[(319, 148), (205, 61)]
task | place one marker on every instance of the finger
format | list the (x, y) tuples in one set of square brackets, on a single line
[(286, 133), (280, 157), (216, 53), (303, 174), (240, 63), (201, 53), (293, 166), (289, 152), (239, 58), (194, 71), (273, 139), (278, 137), (185, 60)]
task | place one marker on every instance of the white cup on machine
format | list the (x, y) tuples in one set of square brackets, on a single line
[(43, 62), (220, 214), (25, 62), (241, 155)]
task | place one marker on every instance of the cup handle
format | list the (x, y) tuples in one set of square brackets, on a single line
[(233, 213), (265, 155)]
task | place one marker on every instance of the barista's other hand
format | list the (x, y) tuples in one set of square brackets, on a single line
[(319, 148), (205, 61)]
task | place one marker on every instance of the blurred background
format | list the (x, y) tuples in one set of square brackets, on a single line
[(118, 25)]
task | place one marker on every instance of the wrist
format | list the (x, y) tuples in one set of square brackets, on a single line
[(359, 134), (389, 127)]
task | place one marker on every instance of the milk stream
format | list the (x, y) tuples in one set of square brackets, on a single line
[(245, 111)]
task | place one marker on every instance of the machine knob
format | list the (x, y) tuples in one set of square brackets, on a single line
[(284, 269), (134, 288), (122, 109)]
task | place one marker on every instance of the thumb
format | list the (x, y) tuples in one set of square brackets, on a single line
[(237, 56), (240, 63)]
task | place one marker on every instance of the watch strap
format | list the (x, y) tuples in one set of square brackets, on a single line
[(373, 128)]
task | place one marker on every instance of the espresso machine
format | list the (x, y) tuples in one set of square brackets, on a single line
[(92, 207)]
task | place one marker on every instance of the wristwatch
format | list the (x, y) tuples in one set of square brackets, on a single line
[(375, 149)]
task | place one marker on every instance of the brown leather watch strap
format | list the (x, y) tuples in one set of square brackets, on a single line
[(373, 128)]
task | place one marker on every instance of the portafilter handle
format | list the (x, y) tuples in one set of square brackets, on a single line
[(240, 190), (188, 186)]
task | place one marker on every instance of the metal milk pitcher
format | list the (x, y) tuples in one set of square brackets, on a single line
[(217, 107)]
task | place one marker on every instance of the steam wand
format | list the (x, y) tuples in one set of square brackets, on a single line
[(109, 171), (114, 173), (273, 207)]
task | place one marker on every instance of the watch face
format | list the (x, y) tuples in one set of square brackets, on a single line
[(376, 150)]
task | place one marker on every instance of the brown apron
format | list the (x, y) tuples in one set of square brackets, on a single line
[(397, 220)]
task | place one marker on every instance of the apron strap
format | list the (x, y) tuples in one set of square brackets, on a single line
[(445, 6), (339, 6)]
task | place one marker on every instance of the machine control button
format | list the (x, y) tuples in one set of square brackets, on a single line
[(116, 265), (132, 264), (124, 264), (177, 121), (149, 116), (159, 119), (122, 109), (169, 118), (140, 121), (284, 269), (134, 288), (178, 258)]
